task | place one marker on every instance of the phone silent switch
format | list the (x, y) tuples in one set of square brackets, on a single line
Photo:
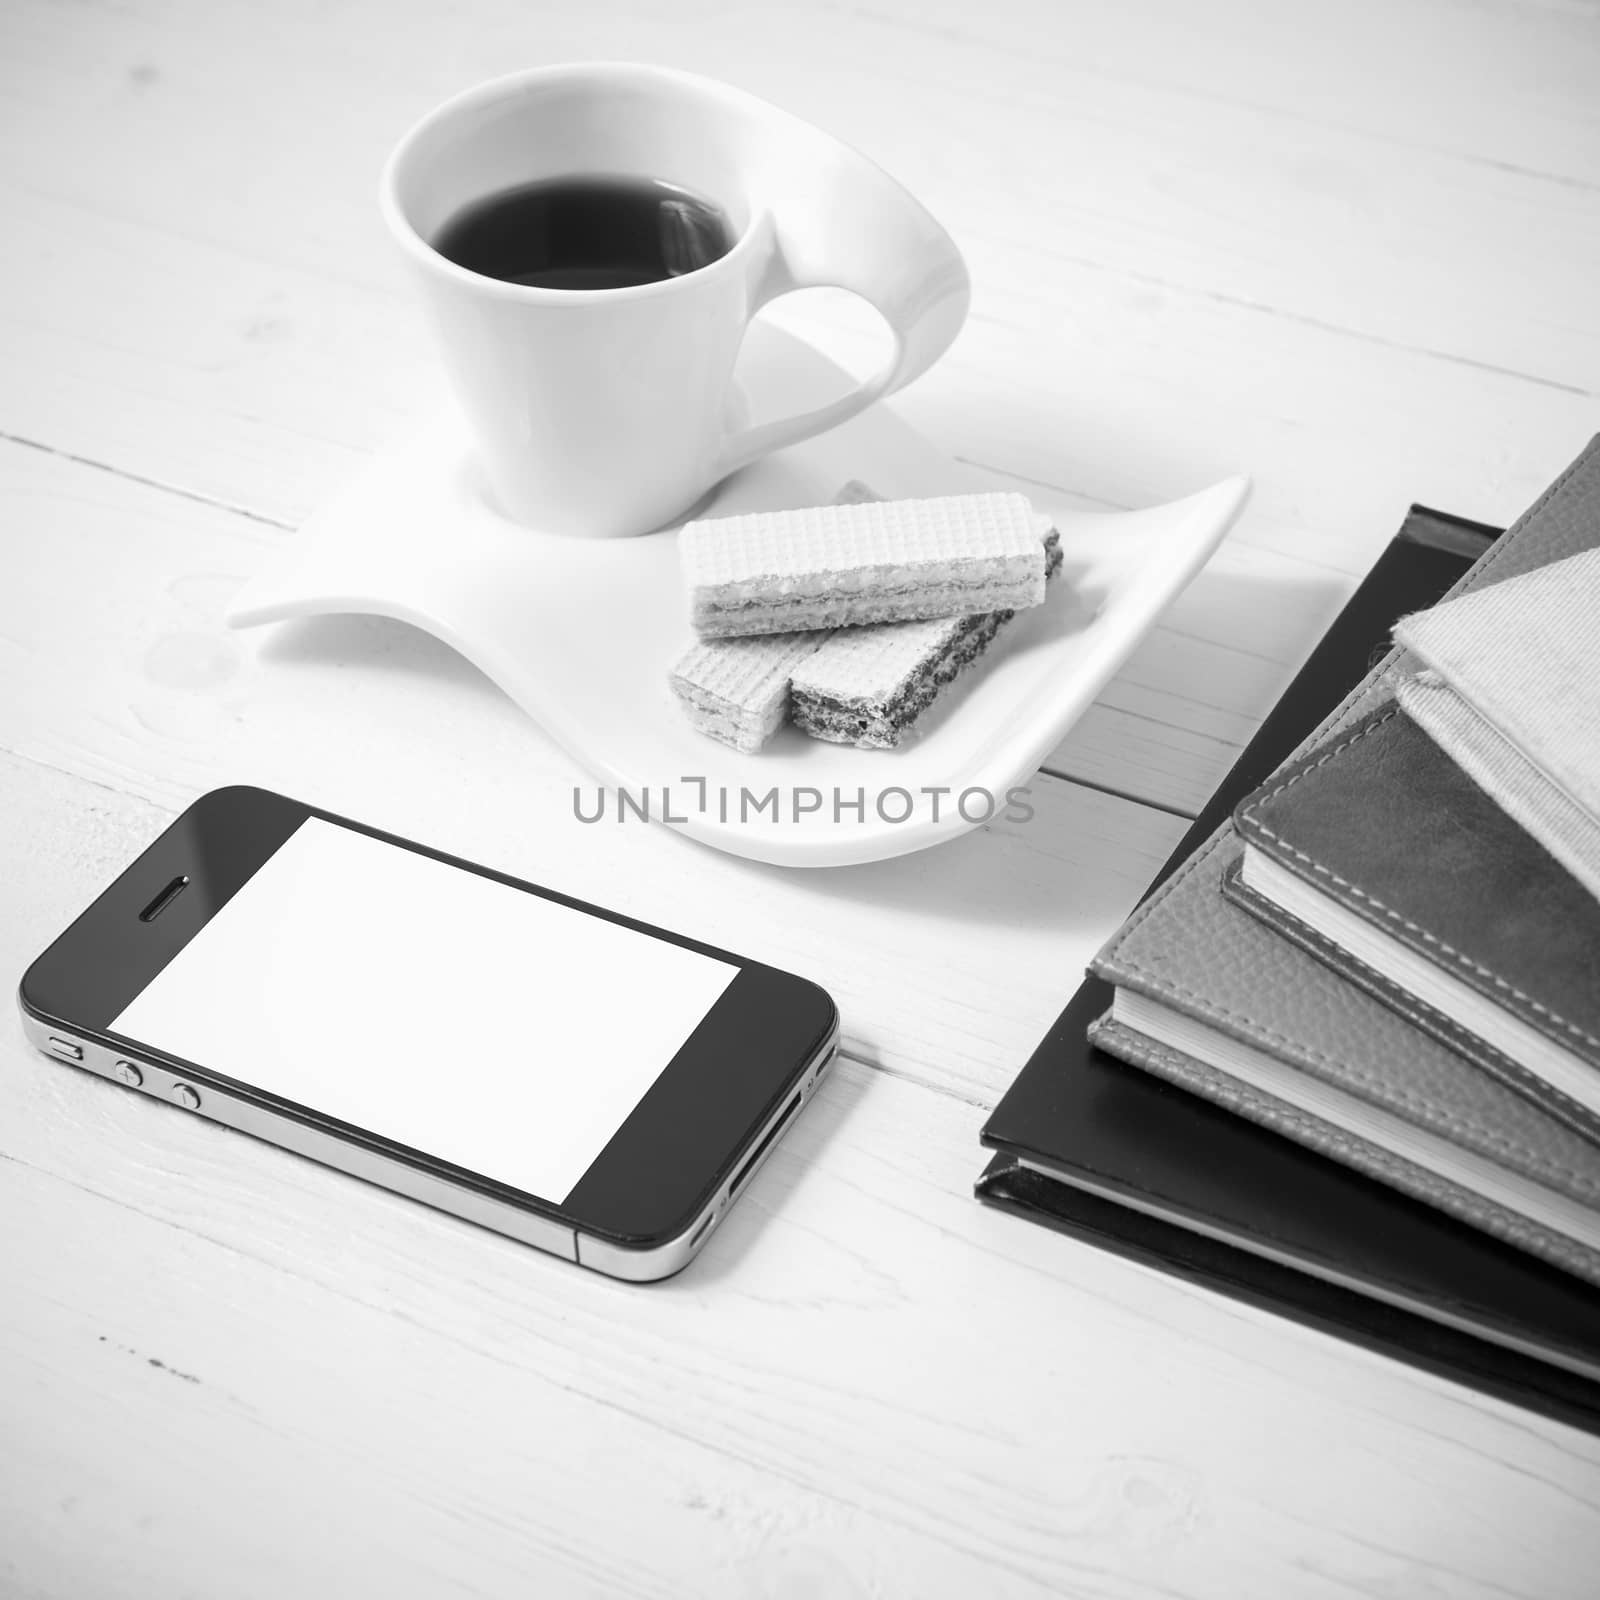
[(185, 1096)]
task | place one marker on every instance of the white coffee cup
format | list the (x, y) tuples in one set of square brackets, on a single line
[(612, 411)]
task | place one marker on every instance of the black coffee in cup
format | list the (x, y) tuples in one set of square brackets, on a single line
[(586, 233)]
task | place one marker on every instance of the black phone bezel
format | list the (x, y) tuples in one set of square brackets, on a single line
[(655, 1176)]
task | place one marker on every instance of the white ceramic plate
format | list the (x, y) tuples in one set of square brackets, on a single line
[(581, 633)]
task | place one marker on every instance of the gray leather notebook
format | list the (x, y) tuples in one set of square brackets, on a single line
[(1217, 1002), (1380, 856)]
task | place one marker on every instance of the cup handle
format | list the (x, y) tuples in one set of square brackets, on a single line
[(857, 229)]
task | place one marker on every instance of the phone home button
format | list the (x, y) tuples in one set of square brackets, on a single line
[(185, 1096)]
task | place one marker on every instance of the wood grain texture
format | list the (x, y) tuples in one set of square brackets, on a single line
[(235, 1371), (1348, 249), (1185, 265)]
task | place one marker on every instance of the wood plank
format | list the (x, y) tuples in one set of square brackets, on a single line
[(1042, 161), (1505, 86), (225, 301), (229, 1360), (274, 430), (1147, 303), (262, 386), (1146, 165), (948, 966)]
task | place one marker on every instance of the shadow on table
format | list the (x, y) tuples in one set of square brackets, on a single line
[(376, 644)]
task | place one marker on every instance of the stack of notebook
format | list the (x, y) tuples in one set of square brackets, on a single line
[(1388, 958)]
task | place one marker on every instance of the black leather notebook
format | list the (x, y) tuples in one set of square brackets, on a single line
[(1115, 1156)]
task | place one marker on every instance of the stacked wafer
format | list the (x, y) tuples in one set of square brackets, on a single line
[(851, 619)]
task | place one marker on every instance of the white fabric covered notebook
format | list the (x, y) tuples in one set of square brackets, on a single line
[(1509, 687)]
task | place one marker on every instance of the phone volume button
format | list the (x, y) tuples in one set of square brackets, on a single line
[(126, 1072), (185, 1096)]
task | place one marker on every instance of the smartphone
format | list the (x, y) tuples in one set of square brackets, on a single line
[(570, 1077)]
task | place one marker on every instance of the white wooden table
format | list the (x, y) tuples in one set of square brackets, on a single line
[(1350, 249)]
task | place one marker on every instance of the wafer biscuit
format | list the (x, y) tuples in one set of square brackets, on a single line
[(868, 686), (887, 561), (737, 690)]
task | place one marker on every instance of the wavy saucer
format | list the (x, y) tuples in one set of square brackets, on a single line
[(581, 633)]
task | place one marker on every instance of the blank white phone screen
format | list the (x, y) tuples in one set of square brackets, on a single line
[(494, 1029)]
